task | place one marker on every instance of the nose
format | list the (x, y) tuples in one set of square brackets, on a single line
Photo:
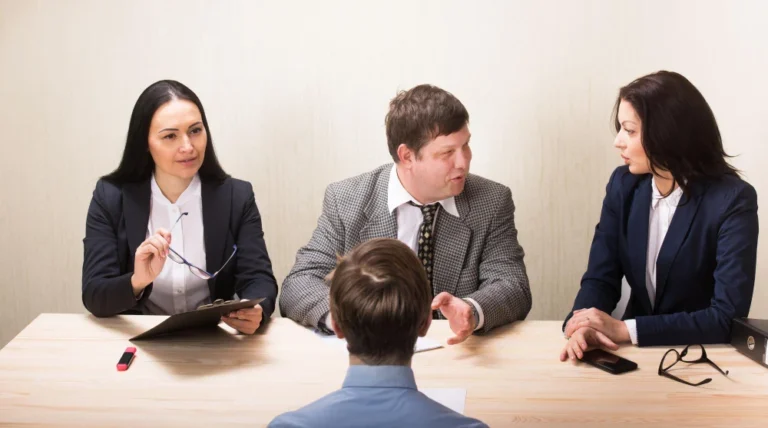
[(618, 142), (186, 145), (463, 158)]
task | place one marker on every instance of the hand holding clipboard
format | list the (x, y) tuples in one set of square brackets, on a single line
[(204, 316)]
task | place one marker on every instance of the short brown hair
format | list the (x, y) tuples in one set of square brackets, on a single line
[(380, 300), (420, 115)]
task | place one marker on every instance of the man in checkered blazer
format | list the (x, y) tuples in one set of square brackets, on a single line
[(461, 225)]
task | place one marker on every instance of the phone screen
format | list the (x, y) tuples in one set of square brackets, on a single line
[(608, 362)]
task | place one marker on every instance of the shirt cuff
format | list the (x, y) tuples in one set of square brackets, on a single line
[(481, 318), (632, 328), (324, 325)]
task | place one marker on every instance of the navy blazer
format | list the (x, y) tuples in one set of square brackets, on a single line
[(117, 225), (705, 271)]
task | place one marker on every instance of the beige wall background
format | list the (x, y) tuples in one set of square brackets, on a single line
[(296, 93)]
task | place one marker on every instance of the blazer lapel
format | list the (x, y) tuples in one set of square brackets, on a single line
[(452, 238), (678, 230), (217, 204), (637, 239), (381, 223), (136, 198)]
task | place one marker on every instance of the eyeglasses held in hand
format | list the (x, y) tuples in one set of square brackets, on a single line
[(689, 355), (198, 272)]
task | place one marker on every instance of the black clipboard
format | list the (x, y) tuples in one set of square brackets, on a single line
[(205, 316)]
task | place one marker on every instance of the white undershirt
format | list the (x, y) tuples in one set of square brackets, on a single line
[(176, 289)]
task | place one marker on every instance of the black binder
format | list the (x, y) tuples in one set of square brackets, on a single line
[(205, 316), (750, 337)]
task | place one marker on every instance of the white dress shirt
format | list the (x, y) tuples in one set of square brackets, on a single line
[(176, 289), (409, 219), (662, 211)]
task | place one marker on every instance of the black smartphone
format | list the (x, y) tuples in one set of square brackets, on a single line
[(613, 364)]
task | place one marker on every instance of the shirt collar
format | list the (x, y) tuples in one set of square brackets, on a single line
[(361, 376), (672, 200), (397, 196), (191, 192)]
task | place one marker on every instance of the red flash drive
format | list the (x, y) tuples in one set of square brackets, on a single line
[(126, 359)]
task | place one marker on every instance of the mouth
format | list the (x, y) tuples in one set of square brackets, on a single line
[(187, 162), (458, 179)]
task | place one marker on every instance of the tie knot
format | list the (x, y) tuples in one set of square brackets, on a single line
[(427, 210)]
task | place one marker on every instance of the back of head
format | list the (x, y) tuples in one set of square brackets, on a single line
[(380, 300), (679, 130)]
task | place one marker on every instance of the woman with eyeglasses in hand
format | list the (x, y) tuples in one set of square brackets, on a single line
[(169, 230), (677, 221)]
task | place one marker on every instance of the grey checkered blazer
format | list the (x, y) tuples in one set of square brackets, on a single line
[(476, 255)]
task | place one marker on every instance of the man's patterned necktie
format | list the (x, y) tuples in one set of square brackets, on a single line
[(426, 251)]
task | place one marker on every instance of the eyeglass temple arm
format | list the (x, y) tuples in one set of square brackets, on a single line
[(673, 377), (234, 250), (710, 362)]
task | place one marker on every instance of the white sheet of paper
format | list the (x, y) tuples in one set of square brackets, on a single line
[(452, 398), (422, 343), (766, 351)]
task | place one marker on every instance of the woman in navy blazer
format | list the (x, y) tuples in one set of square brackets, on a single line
[(677, 221), (169, 160)]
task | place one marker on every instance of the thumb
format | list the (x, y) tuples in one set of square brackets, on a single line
[(605, 341), (441, 299)]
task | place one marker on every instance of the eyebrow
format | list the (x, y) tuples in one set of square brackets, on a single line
[(176, 129), (628, 121)]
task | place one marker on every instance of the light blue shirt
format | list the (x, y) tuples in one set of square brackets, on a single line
[(376, 396)]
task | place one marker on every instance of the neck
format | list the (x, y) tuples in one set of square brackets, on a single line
[(408, 182), (354, 360), (171, 186), (665, 183)]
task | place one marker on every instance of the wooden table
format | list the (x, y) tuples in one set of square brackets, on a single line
[(61, 371)]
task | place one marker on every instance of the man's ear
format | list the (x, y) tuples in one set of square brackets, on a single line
[(425, 327), (336, 329), (406, 155)]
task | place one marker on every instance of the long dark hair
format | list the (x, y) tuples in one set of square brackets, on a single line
[(137, 164), (679, 130)]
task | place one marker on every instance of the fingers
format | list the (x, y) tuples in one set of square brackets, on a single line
[(592, 318), (460, 336), (248, 314), (564, 353), (160, 243), (578, 344), (441, 299), (571, 355), (572, 325), (243, 326), (584, 324), (163, 233), (147, 250)]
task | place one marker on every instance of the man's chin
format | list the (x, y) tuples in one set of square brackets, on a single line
[(454, 192)]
